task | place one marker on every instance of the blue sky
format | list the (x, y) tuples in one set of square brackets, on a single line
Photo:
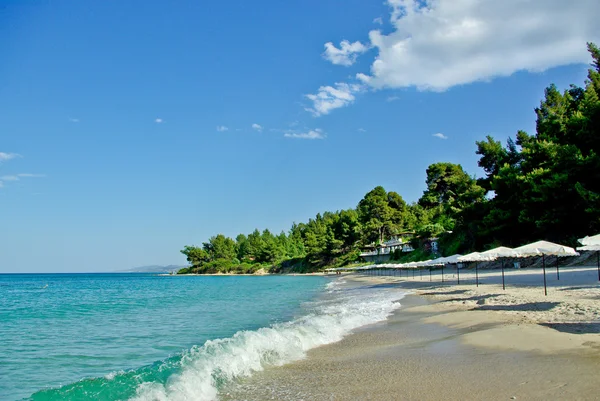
[(129, 129)]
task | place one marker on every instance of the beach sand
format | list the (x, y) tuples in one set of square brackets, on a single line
[(451, 342)]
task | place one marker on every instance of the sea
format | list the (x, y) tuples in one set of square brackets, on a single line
[(145, 337)]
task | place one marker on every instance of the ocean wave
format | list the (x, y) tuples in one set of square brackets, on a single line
[(220, 361), (335, 285), (200, 372)]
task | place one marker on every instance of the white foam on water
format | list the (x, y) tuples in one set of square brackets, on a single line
[(222, 360), (335, 285)]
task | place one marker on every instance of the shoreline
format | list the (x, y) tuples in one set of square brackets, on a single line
[(456, 342), (246, 274)]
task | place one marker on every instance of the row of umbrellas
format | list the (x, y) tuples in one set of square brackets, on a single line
[(539, 248)]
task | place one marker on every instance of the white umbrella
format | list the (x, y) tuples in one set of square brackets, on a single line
[(592, 244), (473, 257), (543, 248), (593, 240), (450, 260), (501, 252), (437, 262), (476, 257)]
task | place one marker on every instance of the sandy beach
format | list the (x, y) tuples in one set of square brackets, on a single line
[(458, 342)]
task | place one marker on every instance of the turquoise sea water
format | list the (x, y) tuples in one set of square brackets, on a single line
[(148, 337)]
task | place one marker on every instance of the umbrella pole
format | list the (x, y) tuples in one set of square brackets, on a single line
[(458, 273), (557, 274), (421, 272), (598, 261), (442, 273), (430, 273), (413, 273), (503, 286), (544, 267), (477, 274)]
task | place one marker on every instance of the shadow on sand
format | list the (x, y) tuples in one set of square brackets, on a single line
[(533, 306), (574, 328), (476, 298), (454, 292)]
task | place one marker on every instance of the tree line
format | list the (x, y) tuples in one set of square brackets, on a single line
[(544, 185)]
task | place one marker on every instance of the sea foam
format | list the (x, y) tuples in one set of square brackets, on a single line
[(206, 368)]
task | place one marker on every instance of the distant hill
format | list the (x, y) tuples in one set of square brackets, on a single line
[(152, 269)]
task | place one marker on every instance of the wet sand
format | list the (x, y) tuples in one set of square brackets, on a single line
[(440, 346)]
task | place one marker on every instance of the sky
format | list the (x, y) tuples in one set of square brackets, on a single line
[(129, 129)]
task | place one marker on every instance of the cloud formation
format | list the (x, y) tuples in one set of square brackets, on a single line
[(362, 130), (392, 98), (8, 156), (222, 128), (346, 54), (17, 177), (438, 44), (443, 43), (378, 20), (159, 121), (440, 135), (257, 127), (316, 133), (329, 98)]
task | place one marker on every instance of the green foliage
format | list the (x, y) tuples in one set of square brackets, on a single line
[(545, 185), (381, 214)]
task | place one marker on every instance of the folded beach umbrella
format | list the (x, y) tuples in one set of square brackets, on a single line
[(543, 248)]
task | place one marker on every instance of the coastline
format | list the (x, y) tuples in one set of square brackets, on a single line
[(456, 342), (245, 274)]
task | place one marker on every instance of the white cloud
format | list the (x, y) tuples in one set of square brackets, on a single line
[(362, 130), (74, 120), (17, 177), (329, 98), (378, 20), (440, 135), (392, 98), (310, 134), (222, 128), (346, 54), (159, 120), (8, 156), (438, 44), (257, 127)]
